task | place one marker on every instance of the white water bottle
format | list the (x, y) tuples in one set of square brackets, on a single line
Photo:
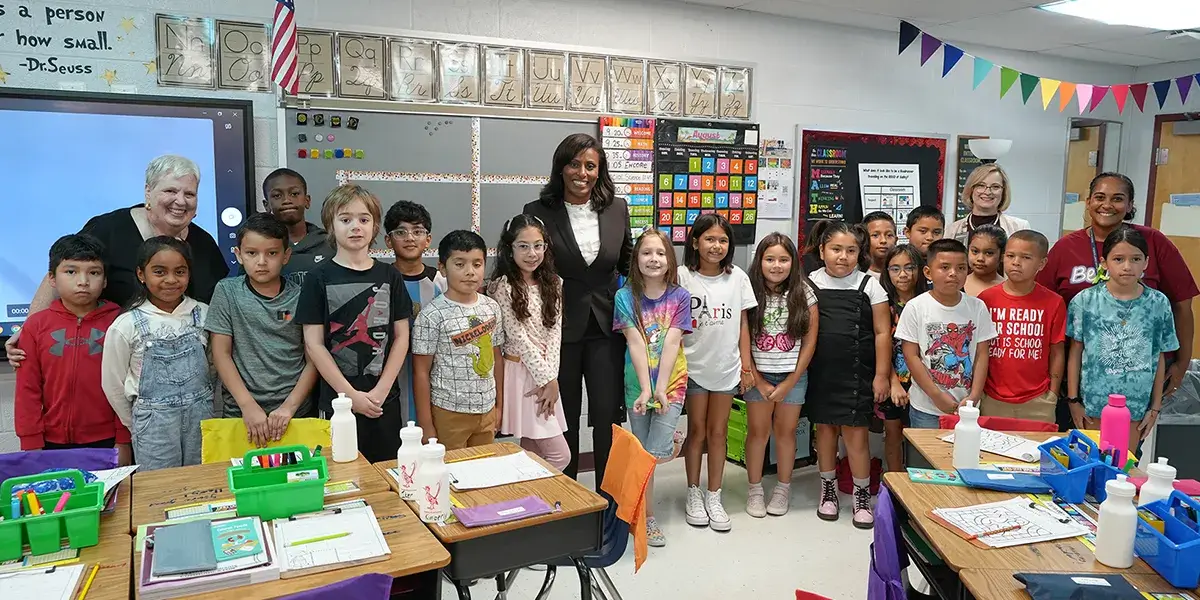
[(967, 437), (433, 484), (1160, 484), (343, 428), (407, 459), (1118, 525)]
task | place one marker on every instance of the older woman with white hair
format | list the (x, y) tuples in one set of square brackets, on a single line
[(987, 194), (168, 209)]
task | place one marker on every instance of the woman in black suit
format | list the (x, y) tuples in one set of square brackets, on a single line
[(589, 230)]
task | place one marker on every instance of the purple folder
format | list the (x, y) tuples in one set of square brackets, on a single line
[(502, 512)]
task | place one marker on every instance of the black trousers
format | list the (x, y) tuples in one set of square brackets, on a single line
[(598, 359)]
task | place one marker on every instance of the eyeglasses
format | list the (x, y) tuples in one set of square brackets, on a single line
[(995, 188), (416, 234), (897, 269), (526, 248)]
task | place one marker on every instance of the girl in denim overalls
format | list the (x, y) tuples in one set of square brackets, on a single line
[(156, 372)]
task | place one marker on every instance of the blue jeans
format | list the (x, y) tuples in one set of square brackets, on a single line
[(794, 397), (922, 420), (656, 430)]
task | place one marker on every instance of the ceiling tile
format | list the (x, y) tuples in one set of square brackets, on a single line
[(1102, 56), (827, 14), (931, 11), (725, 3), (1154, 45), (1054, 29)]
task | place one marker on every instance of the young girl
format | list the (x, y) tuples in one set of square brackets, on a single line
[(654, 312), (881, 234), (529, 292), (985, 246), (850, 369), (155, 369), (783, 332), (718, 358), (903, 280), (1121, 329)]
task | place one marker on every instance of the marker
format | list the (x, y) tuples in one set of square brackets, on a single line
[(62, 502), (317, 450), (262, 460), (312, 540), (35, 507), (16, 507)]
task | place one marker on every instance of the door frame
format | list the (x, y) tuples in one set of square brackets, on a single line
[(1159, 120)]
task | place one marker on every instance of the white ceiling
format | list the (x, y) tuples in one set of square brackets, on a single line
[(1011, 24)]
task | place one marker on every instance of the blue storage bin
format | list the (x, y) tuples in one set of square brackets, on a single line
[(1101, 475), (1175, 552), (1071, 483)]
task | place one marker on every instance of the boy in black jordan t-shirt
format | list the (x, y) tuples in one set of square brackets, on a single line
[(355, 314)]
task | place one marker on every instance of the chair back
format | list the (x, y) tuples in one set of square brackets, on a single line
[(626, 475), (803, 595), (30, 462), (223, 439), (372, 586), (614, 540), (1001, 424)]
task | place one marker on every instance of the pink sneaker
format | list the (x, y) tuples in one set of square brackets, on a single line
[(863, 517), (827, 510)]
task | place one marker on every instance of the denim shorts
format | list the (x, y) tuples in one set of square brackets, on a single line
[(656, 430), (922, 420), (794, 397), (695, 388)]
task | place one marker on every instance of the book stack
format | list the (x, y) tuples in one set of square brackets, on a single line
[(198, 557)]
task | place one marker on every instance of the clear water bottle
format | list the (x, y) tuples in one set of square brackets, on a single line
[(343, 428), (407, 459), (433, 484)]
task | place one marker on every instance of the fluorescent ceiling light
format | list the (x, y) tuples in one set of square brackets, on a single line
[(1163, 15)]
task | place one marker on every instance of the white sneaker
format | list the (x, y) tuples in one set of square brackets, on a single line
[(695, 513), (718, 519)]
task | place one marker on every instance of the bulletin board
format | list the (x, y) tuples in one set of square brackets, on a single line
[(846, 175), (470, 172), (966, 162)]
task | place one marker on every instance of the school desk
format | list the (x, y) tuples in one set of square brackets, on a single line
[(113, 554), (925, 451), (994, 584), (156, 491), (493, 550), (414, 562), (118, 521)]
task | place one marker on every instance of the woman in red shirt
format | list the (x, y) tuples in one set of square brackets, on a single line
[(1074, 262)]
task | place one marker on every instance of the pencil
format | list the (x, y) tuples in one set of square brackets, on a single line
[(332, 536), (472, 457), (87, 585), (976, 536)]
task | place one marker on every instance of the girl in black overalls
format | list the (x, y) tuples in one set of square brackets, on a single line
[(851, 368)]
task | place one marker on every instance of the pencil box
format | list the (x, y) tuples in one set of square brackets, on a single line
[(1080, 586), (1021, 483), (502, 512)]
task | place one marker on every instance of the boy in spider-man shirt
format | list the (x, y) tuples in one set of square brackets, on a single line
[(59, 403)]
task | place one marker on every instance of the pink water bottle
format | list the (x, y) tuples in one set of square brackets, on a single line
[(1114, 428)]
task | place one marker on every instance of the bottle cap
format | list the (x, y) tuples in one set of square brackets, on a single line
[(1161, 469), (433, 449), (341, 402), (1116, 400), (411, 431), (1120, 486)]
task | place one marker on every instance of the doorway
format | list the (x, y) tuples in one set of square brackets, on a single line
[(1094, 147), (1173, 197)]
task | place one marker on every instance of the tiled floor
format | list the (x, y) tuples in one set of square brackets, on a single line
[(761, 558)]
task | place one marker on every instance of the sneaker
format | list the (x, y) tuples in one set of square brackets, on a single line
[(781, 499), (654, 534), (828, 509), (718, 519), (694, 512), (755, 505), (863, 517)]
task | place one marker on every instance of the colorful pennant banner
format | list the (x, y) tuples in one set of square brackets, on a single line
[(1088, 97)]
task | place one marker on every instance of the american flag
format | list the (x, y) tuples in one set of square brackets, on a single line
[(284, 69)]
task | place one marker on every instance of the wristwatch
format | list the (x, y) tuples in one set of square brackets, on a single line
[(1075, 400)]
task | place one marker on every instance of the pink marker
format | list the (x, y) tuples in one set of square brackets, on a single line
[(62, 502)]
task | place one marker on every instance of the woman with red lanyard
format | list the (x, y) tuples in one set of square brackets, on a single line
[(1074, 265)]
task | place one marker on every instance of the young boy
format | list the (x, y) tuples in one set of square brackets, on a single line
[(1027, 359), (881, 236), (945, 336), (355, 313), (456, 351), (285, 195), (257, 346), (924, 226), (409, 230), (59, 401)]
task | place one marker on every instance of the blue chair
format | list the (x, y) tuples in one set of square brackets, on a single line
[(612, 547)]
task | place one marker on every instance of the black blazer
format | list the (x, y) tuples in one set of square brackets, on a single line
[(587, 287)]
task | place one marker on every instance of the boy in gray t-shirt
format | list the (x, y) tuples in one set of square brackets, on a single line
[(266, 378)]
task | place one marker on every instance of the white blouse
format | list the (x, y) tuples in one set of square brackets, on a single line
[(585, 223)]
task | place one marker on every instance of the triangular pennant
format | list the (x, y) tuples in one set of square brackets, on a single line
[(950, 57), (1185, 86), (1083, 93), (1120, 93), (908, 34), (1065, 91), (1007, 78), (1098, 94), (982, 68), (1028, 84), (1139, 95), (929, 45), (1161, 89), (1049, 86)]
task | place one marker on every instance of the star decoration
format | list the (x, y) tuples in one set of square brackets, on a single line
[(3, 75), (127, 24), (151, 66), (109, 76)]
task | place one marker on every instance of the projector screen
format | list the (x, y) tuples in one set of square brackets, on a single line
[(65, 158)]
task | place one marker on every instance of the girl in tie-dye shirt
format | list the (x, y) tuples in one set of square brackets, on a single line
[(653, 312)]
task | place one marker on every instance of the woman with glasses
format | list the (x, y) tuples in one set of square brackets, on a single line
[(588, 228), (987, 195)]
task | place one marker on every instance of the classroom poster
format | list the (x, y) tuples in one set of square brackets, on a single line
[(1181, 216), (890, 188), (776, 197), (629, 148), (967, 162)]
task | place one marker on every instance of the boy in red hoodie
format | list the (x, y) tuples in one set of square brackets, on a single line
[(59, 402)]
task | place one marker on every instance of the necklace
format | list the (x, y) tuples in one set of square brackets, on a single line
[(992, 220)]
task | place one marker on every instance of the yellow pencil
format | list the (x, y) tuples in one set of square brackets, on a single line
[(88, 584), (472, 457)]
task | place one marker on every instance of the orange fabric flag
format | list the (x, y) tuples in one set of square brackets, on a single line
[(629, 470), (1065, 90)]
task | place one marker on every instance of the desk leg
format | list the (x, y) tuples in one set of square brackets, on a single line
[(502, 585), (547, 583), (585, 579), (464, 590)]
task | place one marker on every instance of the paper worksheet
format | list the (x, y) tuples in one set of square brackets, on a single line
[(111, 478), (57, 583), (1033, 522), (495, 470), (1005, 445), (351, 535)]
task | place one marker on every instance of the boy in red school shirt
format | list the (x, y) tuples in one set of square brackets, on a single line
[(59, 402), (1027, 358)]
